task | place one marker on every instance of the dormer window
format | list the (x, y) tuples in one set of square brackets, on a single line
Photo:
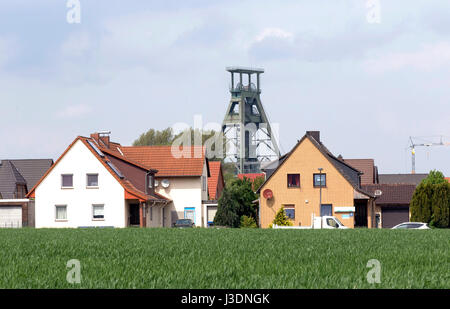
[(150, 181)]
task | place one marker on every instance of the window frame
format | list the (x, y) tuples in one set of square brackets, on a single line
[(87, 181), (299, 183), (320, 185), (56, 213), (62, 181), (289, 207), (188, 209), (93, 213)]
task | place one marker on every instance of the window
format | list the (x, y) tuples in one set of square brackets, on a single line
[(290, 211), (67, 181), (204, 183), (150, 181), (332, 223), (61, 212), (320, 180), (189, 213), (293, 180), (98, 212), (92, 180)]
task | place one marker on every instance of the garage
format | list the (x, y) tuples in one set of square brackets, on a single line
[(10, 216), (212, 210), (392, 216)]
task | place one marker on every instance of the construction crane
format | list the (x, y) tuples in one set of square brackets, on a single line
[(413, 146)]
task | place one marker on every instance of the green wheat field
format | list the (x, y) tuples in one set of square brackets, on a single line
[(224, 258)]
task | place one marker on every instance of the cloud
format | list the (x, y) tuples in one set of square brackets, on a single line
[(430, 57), (76, 45), (7, 50), (74, 111), (278, 33)]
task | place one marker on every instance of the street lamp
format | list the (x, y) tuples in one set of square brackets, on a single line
[(320, 184)]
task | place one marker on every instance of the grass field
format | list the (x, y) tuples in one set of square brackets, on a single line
[(226, 258)]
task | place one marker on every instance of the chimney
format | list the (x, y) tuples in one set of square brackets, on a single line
[(102, 138), (314, 134)]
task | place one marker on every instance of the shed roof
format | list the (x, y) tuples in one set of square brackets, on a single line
[(392, 194)]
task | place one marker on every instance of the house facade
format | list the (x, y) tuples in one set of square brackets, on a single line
[(308, 181), (89, 188), (181, 177), (16, 178)]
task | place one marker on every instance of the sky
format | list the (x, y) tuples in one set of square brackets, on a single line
[(367, 80)]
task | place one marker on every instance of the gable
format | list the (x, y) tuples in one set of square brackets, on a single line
[(79, 161), (306, 158)]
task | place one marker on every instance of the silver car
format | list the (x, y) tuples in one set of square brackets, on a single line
[(412, 225)]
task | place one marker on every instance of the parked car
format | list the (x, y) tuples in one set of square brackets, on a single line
[(184, 223), (412, 225), (325, 222)]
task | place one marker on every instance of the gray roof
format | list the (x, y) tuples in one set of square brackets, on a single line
[(26, 172), (414, 179)]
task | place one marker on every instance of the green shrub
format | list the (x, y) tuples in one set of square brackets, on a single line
[(281, 218), (248, 222), (440, 205)]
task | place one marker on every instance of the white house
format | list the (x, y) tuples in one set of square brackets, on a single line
[(181, 179), (90, 188)]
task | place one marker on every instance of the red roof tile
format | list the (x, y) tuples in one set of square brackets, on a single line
[(215, 168), (251, 176), (161, 158)]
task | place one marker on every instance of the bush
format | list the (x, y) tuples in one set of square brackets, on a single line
[(441, 205), (248, 222), (281, 218), (431, 201), (236, 201)]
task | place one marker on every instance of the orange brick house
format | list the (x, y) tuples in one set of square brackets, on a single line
[(308, 174)]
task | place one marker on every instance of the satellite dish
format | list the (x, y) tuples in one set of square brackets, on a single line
[(156, 183), (268, 194), (165, 183)]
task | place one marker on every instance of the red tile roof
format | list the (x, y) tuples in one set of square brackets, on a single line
[(448, 179), (215, 168), (251, 176), (161, 158)]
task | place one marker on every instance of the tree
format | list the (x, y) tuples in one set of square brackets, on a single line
[(441, 205), (431, 201), (434, 178), (281, 218), (257, 183), (236, 201), (420, 206), (155, 138)]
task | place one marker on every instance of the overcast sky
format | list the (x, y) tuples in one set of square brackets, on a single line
[(134, 65)]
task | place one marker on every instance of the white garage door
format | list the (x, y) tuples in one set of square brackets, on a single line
[(10, 216), (212, 210)]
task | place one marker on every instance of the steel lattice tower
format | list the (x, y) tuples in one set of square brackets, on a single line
[(246, 128)]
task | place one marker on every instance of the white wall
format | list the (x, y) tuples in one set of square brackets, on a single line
[(184, 192), (79, 161)]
